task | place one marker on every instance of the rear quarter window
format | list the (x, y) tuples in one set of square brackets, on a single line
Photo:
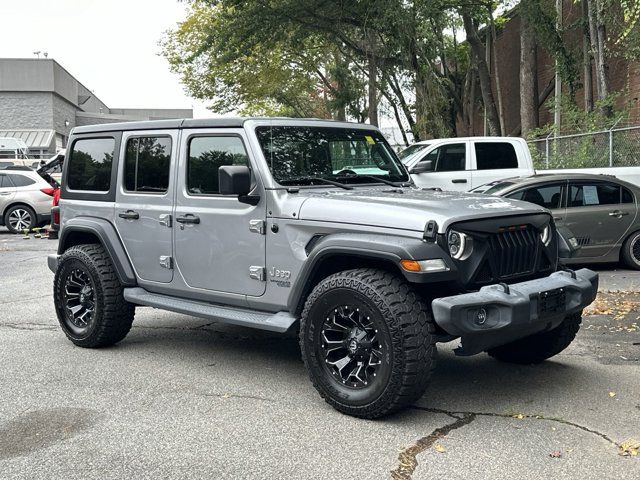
[(21, 180), (90, 163), (495, 155)]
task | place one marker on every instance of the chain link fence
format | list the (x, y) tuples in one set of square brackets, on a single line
[(618, 147)]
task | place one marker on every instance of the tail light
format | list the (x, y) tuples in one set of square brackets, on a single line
[(48, 191)]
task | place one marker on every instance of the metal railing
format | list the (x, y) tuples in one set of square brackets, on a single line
[(616, 147)]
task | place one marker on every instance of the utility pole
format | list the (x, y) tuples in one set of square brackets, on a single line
[(558, 85)]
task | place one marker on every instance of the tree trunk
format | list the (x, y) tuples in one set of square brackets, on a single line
[(597, 32), (496, 71), (586, 60), (373, 92), (483, 73), (528, 77)]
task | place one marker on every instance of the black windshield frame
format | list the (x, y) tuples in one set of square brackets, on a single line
[(295, 152)]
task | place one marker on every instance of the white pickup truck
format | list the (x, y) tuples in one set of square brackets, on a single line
[(465, 163)]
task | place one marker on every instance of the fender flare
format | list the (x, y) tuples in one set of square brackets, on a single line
[(388, 248), (109, 239)]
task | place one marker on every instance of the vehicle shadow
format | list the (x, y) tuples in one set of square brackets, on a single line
[(478, 383)]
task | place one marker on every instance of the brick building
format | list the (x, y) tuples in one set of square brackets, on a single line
[(40, 102), (624, 75)]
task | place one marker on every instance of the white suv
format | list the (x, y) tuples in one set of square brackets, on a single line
[(25, 199)]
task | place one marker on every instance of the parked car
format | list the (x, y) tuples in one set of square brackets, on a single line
[(464, 163), (25, 199), (257, 222), (600, 210)]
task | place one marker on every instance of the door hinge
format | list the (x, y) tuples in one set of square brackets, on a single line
[(166, 261), (165, 220), (257, 273), (257, 226)]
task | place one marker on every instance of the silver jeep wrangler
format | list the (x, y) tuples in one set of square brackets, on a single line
[(279, 224)]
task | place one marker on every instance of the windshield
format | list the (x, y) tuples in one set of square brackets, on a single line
[(491, 188), (298, 155), (410, 150)]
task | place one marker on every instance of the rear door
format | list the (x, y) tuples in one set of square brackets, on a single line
[(493, 160), (144, 201), (599, 214), (7, 192), (219, 239), (451, 167)]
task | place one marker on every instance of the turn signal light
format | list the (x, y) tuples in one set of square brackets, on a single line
[(410, 265), (433, 265)]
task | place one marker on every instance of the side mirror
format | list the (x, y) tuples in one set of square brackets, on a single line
[(422, 167), (234, 180)]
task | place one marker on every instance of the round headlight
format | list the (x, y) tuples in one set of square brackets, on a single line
[(457, 244), (545, 235)]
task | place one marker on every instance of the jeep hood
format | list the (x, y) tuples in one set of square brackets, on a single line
[(407, 209)]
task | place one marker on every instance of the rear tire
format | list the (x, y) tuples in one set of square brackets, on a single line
[(631, 251), (388, 342), (20, 218), (541, 346), (89, 298)]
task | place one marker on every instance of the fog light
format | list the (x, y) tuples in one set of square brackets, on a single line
[(481, 316)]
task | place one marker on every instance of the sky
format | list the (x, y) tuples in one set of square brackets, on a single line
[(110, 46)]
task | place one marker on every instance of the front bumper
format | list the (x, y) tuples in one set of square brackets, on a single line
[(499, 314)]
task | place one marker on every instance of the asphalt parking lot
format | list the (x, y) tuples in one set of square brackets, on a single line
[(185, 398)]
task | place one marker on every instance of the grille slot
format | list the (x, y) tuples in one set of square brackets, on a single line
[(514, 251)]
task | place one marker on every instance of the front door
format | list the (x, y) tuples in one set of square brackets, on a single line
[(219, 240), (451, 168), (599, 215), (144, 201)]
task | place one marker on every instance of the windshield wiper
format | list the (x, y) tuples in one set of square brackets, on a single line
[(317, 179), (377, 179)]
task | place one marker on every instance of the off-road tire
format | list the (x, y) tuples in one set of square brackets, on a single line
[(409, 344), (631, 251), (24, 208), (113, 315), (541, 346)]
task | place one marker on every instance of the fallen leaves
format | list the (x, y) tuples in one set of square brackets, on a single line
[(612, 394), (618, 304), (629, 448), (439, 448)]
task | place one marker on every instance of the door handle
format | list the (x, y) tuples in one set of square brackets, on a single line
[(618, 213), (5, 193), (459, 180), (557, 219), (188, 218), (129, 215)]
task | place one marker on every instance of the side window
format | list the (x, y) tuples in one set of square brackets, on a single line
[(206, 155), (90, 163), (495, 155), (448, 158), (146, 165), (5, 182), (547, 196), (21, 180), (595, 194), (627, 196)]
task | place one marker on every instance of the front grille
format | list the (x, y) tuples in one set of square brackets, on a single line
[(514, 251)]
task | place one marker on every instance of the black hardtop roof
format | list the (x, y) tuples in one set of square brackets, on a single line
[(222, 122)]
